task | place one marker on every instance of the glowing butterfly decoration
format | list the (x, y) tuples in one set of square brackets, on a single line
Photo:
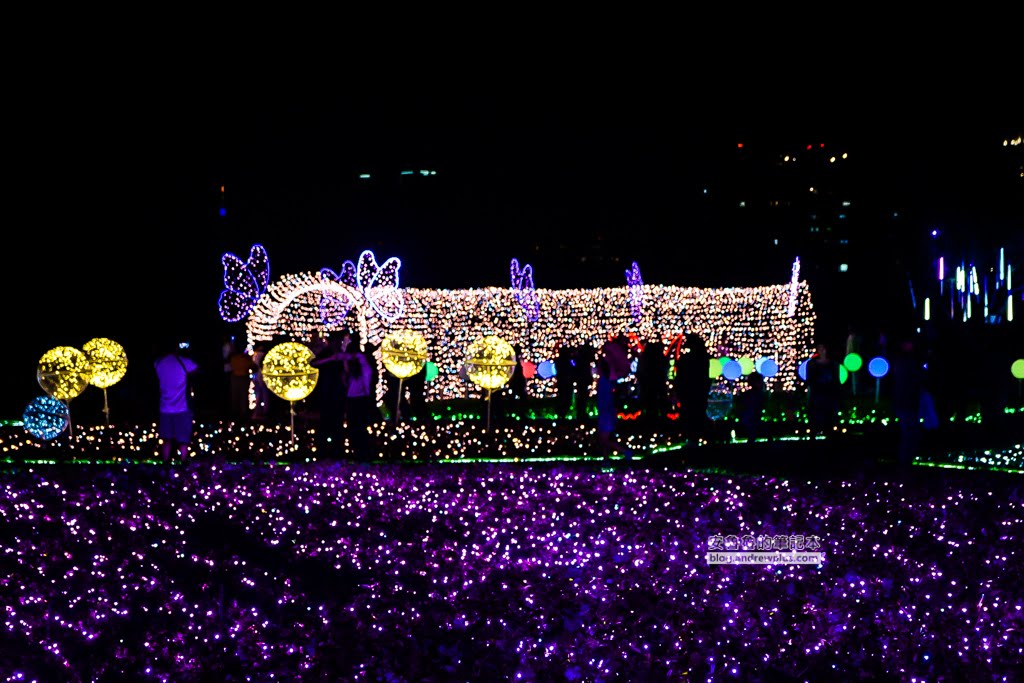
[(244, 283), (522, 287), (379, 285), (636, 291), (334, 310), (794, 287)]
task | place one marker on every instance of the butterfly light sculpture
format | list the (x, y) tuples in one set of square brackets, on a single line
[(244, 283), (525, 293), (377, 283)]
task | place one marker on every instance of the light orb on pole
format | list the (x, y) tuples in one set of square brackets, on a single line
[(490, 362), (108, 363), (288, 374), (404, 353), (46, 417), (63, 373)]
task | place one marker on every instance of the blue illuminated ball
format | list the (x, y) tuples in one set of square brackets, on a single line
[(878, 367), (769, 368), (802, 370), (546, 370), (732, 370), (46, 417)]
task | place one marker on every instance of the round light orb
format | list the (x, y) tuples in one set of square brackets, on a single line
[(63, 372), (853, 362), (107, 362), (802, 370), (287, 372), (46, 417), (430, 371), (732, 370), (746, 365), (844, 374), (546, 369), (769, 368), (529, 369), (878, 367), (404, 352), (490, 362), (1017, 368), (715, 368)]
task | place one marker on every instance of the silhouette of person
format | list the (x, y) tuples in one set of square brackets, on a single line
[(612, 365), (176, 414), (361, 408), (652, 382), (565, 378), (332, 384), (692, 386), (907, 389), (822, 391), (751, 406), (242, 365), (260, 389)]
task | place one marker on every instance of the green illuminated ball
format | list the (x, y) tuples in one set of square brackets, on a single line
[(1017, 369), (853, 362), (844, 374), (746, 365), (715, 368), (431, 371)]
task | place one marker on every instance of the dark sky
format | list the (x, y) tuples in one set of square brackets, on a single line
[(112, 226)]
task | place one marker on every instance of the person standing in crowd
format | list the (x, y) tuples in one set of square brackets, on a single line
[(822, 391), (262, 393), (692, 386), (750, 405), (565, 378), (907, 391), (361, 405), (242, 366), (332, 384), (173, 371), (612, 365), (652, 382)]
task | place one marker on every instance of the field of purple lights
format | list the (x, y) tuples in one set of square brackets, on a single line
[(495, 572)]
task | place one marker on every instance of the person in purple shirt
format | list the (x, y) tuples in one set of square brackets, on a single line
[(176, 417)]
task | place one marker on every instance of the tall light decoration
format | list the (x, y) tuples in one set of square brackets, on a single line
[(404, 353), (635, 283), (490, 362), (794, 286), (288, 374), (526, 293), (108, 363), (63, 373)]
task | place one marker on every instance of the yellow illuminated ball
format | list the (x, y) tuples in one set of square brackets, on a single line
[(107, 362), (404, 352), (490, 362), (63, 372), (287, 372)]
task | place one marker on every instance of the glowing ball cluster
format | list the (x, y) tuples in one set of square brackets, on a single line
[(287, 372), (46, 417), (404, 352), (490, 362), (63, 372), (107, 362)]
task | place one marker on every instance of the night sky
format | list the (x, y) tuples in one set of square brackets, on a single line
[(113, 213)]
